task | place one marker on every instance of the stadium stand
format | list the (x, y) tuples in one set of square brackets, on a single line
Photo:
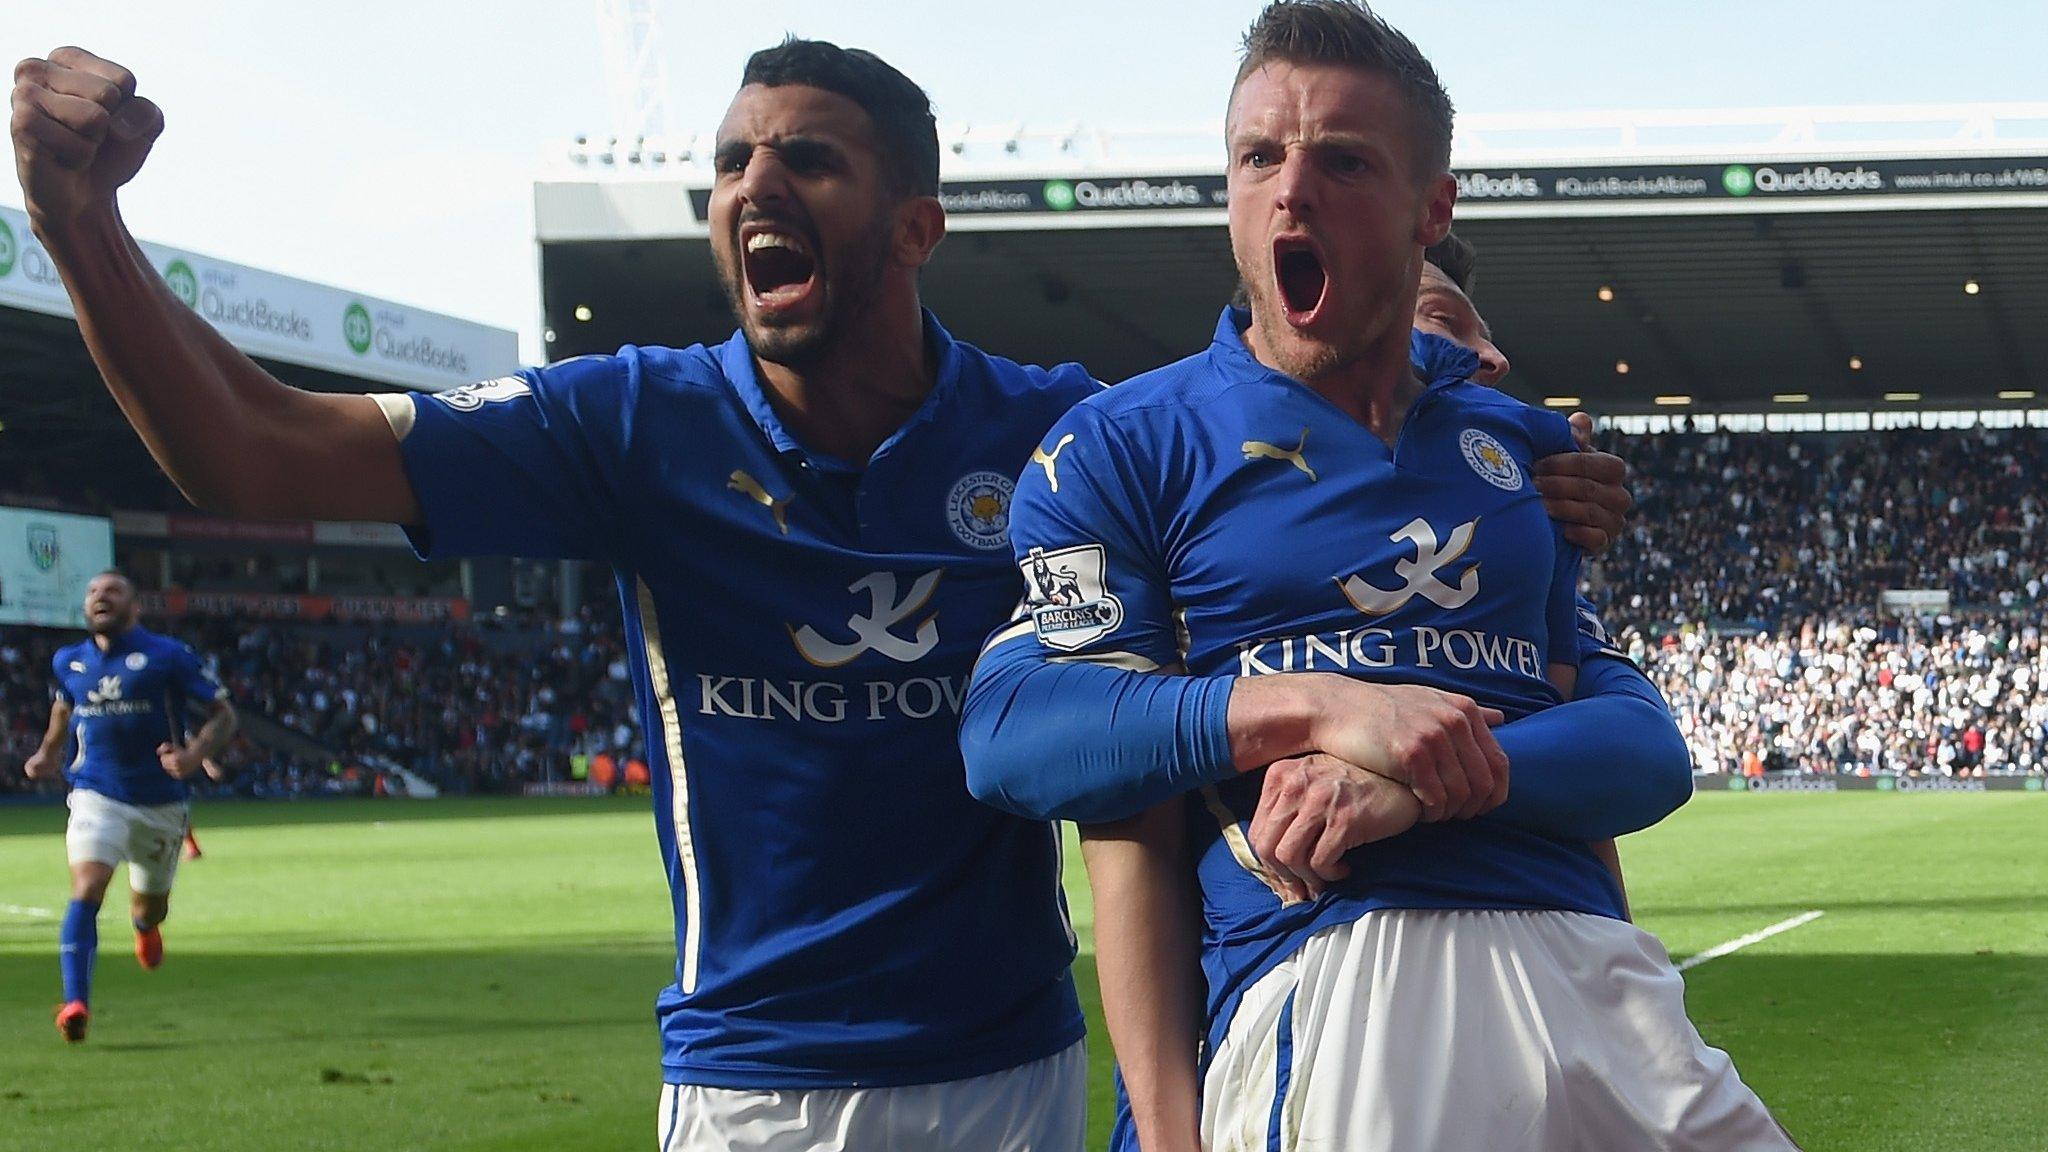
[(1957, 699), (1746, 530), (472, 708), (1748, 587)]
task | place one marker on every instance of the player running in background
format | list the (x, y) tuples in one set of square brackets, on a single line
[(120, 697), (809, 527), (1469, 979)]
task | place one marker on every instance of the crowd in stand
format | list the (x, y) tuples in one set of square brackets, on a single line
[(1747, 586), (468, 710), (1962, 699), (1750, 582), (1757, 529)]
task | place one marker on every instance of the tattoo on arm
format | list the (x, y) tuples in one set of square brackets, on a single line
[(218, 730)]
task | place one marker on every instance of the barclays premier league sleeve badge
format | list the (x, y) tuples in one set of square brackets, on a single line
[(471, 397), (1069, 601)]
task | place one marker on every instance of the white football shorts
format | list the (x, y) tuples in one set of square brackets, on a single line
[(147, 839), (1037, 1107), (1502, 1031)]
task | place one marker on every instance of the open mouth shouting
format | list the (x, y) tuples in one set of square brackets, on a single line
[(1300, 277), (780, 267)]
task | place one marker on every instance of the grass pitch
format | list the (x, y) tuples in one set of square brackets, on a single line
[(481, 974)]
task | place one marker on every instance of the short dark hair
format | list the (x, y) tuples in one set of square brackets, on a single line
[(117, 574), (1349, 32), (900, 110), (1455, 257)]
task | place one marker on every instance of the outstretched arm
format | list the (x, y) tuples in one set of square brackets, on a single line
[(231, 436)]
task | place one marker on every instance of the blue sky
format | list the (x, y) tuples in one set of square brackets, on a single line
[(390, 147)]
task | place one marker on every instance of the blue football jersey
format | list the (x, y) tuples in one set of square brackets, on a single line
[(124, 703), (1217, 515), (802, 632)]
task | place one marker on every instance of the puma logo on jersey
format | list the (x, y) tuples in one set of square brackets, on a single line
[(1050, 460), (751, 488), (876, 631), (1419, 576), (1259, 449)]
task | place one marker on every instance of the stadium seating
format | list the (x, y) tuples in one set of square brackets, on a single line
[(474, 710), (1747, 586), (1747, 530)]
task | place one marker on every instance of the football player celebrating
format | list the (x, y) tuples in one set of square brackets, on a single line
[(808, 525), (1333, 533), (119, 696)]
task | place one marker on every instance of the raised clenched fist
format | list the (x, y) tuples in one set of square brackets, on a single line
[(80, 132)]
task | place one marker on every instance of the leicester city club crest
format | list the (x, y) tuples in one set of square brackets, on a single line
[(42, 546), (1490, 460), (978, 510)]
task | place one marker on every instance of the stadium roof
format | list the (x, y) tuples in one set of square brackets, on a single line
[(1860, 258), (58, 423)]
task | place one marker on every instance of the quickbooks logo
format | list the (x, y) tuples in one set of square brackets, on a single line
[(356, 328), (8, 250), (1741, 180), (1059, 195), (184, 283)]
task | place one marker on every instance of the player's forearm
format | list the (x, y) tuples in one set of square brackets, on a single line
[(1275, 717), (213, 736), (1146, 962), (231, 436), (1606, 764), (57, 732), (1050, 740)]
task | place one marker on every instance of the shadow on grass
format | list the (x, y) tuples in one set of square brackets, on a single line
[(1895, 1052), (554, 1047), (550, 1047)]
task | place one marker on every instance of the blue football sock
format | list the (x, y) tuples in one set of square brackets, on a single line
[(78, 946)]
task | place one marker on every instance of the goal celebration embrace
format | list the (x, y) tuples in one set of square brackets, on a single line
[(1327, 647)]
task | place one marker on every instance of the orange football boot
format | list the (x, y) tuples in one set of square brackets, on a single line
[(149, 949), (71, 1021)]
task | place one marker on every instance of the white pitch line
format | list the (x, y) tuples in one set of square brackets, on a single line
[(1741, 942), (21, 910)]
